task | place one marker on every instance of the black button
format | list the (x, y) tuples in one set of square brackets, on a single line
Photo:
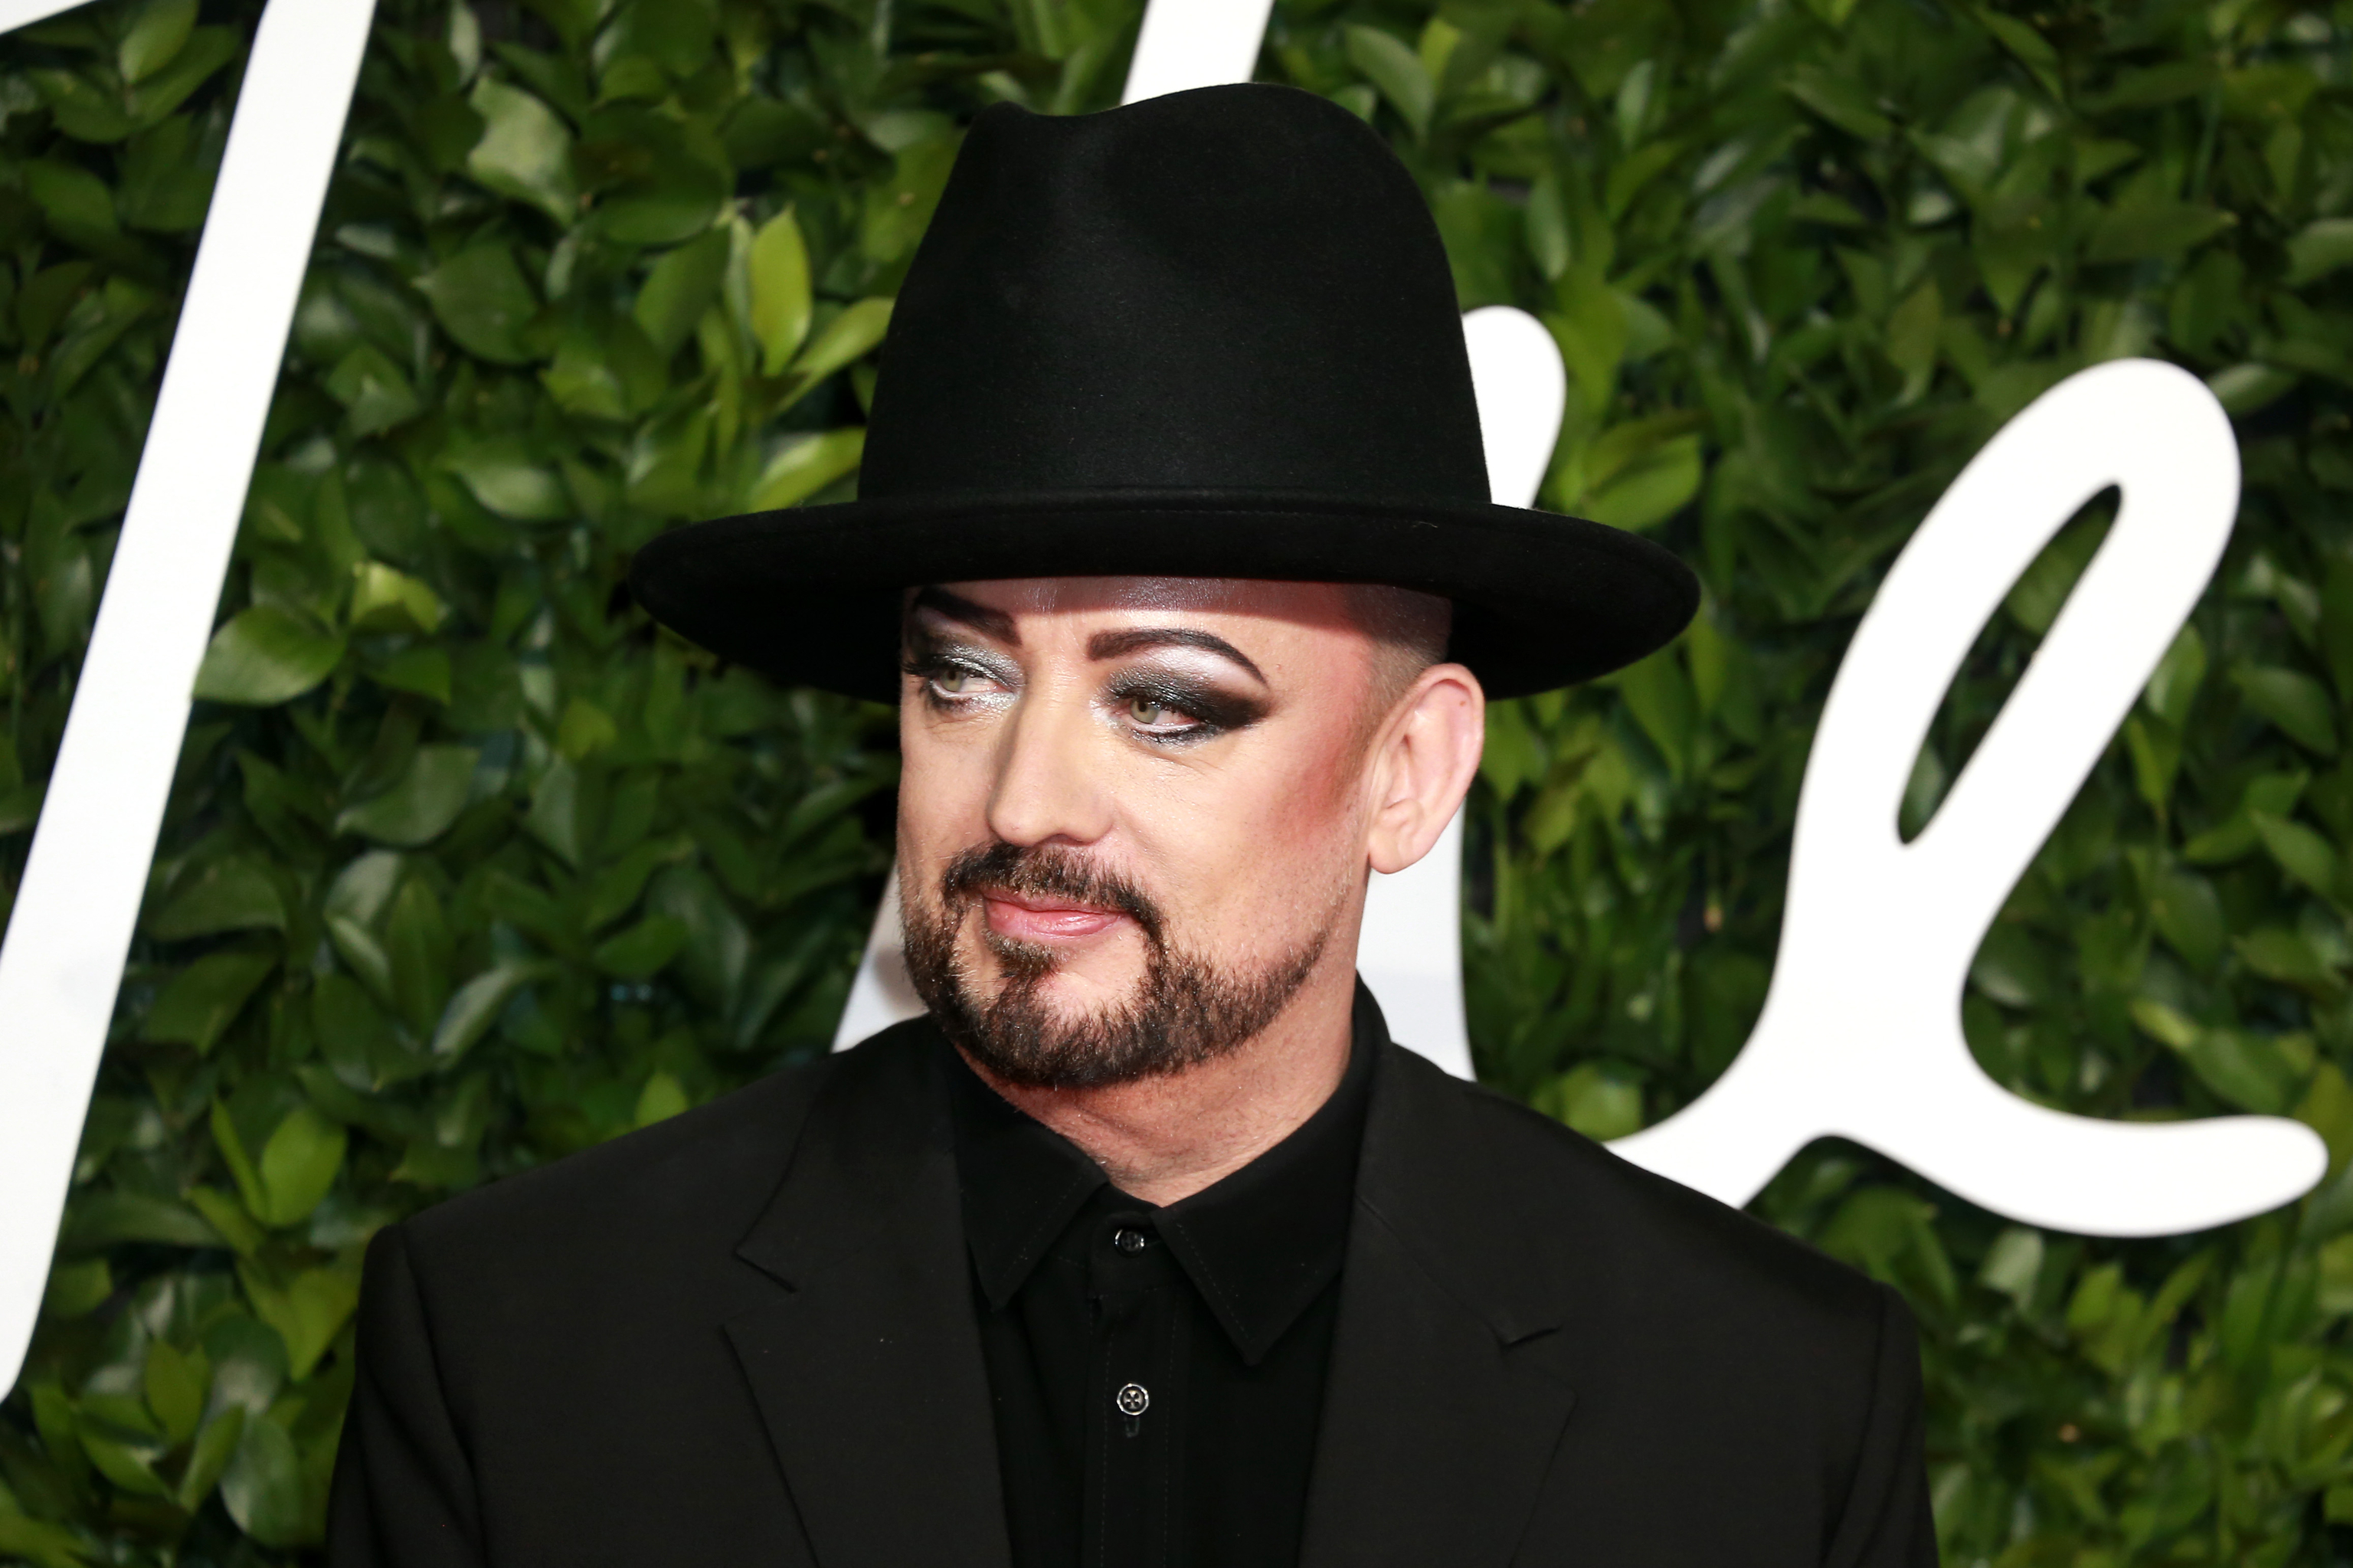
[(1128, 1239)]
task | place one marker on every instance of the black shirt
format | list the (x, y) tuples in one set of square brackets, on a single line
[(1157, 1373)]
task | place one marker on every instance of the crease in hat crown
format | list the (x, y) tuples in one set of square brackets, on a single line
[(1213, 333)]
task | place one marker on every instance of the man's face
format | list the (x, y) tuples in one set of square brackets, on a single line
[(1133, 817)]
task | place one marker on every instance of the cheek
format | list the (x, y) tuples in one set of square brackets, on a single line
[(942, 795), (1263, 845)]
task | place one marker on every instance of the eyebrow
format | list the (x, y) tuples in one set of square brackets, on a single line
[(979, 617), (1112, 645)]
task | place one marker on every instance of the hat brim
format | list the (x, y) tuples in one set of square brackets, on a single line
[(810, 595)]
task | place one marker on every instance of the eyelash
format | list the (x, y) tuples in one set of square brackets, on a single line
[(1180, 701), (931, 668), (1176, 698)]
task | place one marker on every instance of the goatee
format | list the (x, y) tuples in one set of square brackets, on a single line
[(1185, 1010)]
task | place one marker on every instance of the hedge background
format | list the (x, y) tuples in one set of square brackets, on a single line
[(468, 868)]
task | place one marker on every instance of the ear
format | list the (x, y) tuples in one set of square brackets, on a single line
[(1422, 765)]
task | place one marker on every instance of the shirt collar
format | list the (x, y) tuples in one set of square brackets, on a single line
[(1259, 1244)]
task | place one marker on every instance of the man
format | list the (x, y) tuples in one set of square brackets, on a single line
[(1146, 1246)]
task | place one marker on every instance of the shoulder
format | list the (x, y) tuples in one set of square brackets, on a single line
[(1627, 1241), (695, 1182)]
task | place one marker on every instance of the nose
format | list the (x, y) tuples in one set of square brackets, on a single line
[(1044, 790)]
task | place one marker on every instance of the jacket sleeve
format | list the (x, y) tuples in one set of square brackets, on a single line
[(1887, 1522), (404, 1492)]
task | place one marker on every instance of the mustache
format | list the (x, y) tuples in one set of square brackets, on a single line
[(1047, 871)]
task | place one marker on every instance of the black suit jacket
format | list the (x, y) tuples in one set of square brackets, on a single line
[(746, 1336)]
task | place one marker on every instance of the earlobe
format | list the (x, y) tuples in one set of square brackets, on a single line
[(1425, 765)]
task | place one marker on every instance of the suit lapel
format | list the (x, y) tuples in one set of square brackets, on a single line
[(1448, 1390), (866, 1368)]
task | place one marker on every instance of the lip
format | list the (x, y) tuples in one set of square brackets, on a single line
[(1030, 919)]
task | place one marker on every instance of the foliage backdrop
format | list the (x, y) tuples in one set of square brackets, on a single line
[(467, 867)]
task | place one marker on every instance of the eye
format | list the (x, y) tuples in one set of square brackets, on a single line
[(1155, 715), (954, 681)]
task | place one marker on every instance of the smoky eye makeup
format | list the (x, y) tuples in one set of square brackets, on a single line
[(943, 664), (1149, 697)]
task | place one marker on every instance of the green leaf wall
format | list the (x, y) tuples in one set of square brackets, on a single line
[(467, 867)]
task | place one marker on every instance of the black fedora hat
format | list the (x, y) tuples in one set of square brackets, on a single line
[(1208, 334)]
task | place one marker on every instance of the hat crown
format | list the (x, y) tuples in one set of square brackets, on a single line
[(1234, 289)]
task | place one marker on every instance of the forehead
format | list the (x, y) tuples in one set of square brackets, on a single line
[(1276, 608)]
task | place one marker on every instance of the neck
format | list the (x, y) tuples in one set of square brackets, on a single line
[(1164, 1138)]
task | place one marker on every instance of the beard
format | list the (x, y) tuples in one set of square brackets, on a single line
[(1185, 1010)]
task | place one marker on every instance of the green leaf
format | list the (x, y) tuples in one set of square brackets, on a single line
[(206, 50), (2189, 916), (2032, 49), (1590, 331), (421, 804), (1891, 1233), (425, 671), (2013, 1265), (681, 286), (849, 337), (2150, 229), (239, 1164), (76, 1290), (265, 656), (49, 1545), (215, 1445), (803, 465), (478, 1003), (203, 998), (2245, 1069), (2317, 250), (2244, 390), (1661, 701), (1838, 98), (2304, 854), (662, 1097), (658, 179), (502, 476), (262, 1485), (385, 600), (899, 209), (175, 1384), (2173, 686), (555, 810), (1912, 335), (780, 291), (1397, 70), (526, 151), (585, 729), (374, 390), (158, 31), (122, 1465), (2011, 967), (297, 1165), (1598, 1101), (2279, 954), (107, 1218), (74, 201), (1651, 488), (2293, 702), (639, 952), (232, 894), (307, 1312), (480, 297), (83, 111)]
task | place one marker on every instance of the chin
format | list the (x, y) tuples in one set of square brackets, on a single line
[(1068, 993)]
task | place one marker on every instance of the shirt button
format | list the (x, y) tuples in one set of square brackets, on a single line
[(1134, 1399), (1128, 1239)]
